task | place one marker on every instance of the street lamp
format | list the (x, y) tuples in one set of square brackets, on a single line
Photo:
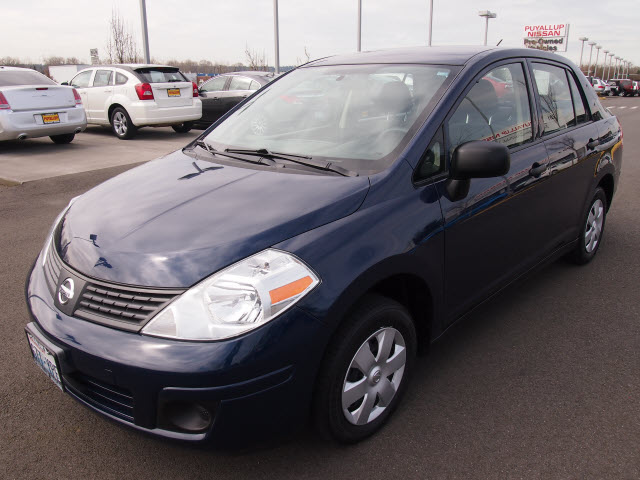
[(276, 37), (430, 20), (615, 68), (611, 55), (604, 64), (145, 32), (582, 39), (487, 15), (590, 53), (595, 67), (359, 25)]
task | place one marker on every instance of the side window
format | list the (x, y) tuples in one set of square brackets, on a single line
[(216, 84), (239, 83), (121, 79), (254, 85), (82, 80), (433, 160), (102, 78), (578, 102), (495, 109), (555, 97)]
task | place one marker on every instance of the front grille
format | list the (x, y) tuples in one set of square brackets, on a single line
[(52, 267), (119, 306), (103, 396), (129, 307)]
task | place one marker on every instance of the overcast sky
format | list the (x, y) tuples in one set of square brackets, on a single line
[(218, 30)]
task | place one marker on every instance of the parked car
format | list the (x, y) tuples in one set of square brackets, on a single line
[(232, 288), (32, 105), (622, 87), (601, 87), (223, 92), (129, 97)]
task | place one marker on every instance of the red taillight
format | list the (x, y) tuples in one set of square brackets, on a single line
[(144, 91), (4, 105), (77, 96), (195, 89)]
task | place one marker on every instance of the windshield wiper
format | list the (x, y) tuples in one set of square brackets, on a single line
[(299, 159), (201, 143)]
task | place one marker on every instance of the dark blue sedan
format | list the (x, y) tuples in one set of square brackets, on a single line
[(290, 262)]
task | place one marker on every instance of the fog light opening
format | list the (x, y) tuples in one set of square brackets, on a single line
[(185, 417)]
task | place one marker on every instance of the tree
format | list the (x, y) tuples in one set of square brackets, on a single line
[(255, 60), (121, 46)]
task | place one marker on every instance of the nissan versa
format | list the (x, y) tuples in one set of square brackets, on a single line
[(289, 262)]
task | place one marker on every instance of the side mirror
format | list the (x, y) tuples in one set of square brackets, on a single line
[(477, 159), (64, 83)]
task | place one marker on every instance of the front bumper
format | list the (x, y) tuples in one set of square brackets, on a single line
[(255, 386)]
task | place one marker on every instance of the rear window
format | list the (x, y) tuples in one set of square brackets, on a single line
[(161, 75), (11, 78)]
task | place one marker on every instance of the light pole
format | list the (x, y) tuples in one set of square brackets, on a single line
[(359, 25), (604, 64), (611, 55), (582, 39), (430, 20), (276, 37), (616, 67), (590, 53), (595, 67), (145, 33), (487, 15)]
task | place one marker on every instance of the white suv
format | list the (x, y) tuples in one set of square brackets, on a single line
[(128, 97)]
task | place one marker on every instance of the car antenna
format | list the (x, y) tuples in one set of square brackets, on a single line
[(498, 44)]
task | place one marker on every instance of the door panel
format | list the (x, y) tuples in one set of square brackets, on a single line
[(498, 230), (211, 96), (99, 95)]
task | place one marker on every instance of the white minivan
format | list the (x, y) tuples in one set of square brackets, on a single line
[(128, 97)]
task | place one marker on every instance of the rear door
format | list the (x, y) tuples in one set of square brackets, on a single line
[(498, 230), (239, 89), (170, 87), (211, 97), (570, 136), (100, 94)]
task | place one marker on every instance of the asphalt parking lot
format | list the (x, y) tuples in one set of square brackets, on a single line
[(542, 382)]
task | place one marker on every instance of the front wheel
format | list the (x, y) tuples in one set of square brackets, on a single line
[(63, 138), (122, 125), (182, 127), (592, 229), (365, 371)]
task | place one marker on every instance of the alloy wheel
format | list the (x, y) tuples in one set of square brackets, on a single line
[(120, 123)]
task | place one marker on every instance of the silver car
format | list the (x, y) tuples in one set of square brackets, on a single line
[(601, 87), (33, 105)]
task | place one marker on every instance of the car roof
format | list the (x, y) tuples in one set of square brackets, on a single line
[(441, 55)]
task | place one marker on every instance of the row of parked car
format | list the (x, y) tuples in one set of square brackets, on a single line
[(124, 97), (617, 86)]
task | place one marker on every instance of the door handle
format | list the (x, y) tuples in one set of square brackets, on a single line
[(593, 143), (537, 169), (216, 98), (108, 91)]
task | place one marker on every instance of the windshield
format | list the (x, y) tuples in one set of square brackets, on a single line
[(357, 116), (11, 78), (160, 74)]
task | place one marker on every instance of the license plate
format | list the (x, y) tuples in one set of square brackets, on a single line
[(50, 118), (173, 92), (46, 360)]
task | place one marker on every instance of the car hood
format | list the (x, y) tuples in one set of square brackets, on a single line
[(176, 220)]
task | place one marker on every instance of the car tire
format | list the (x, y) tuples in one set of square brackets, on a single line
[(591, 230), (378, 338), (63, 138), (182, 127), (121, 124)]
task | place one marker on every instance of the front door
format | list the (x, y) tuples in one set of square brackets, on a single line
[(498, 230), (211, 96)]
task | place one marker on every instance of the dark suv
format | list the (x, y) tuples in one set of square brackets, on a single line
[(623, 87), (260, 276)]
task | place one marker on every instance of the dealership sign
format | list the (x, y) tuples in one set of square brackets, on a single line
[(551, 37)]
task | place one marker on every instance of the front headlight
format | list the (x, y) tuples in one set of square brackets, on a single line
[(47, 243), (237, 299)]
